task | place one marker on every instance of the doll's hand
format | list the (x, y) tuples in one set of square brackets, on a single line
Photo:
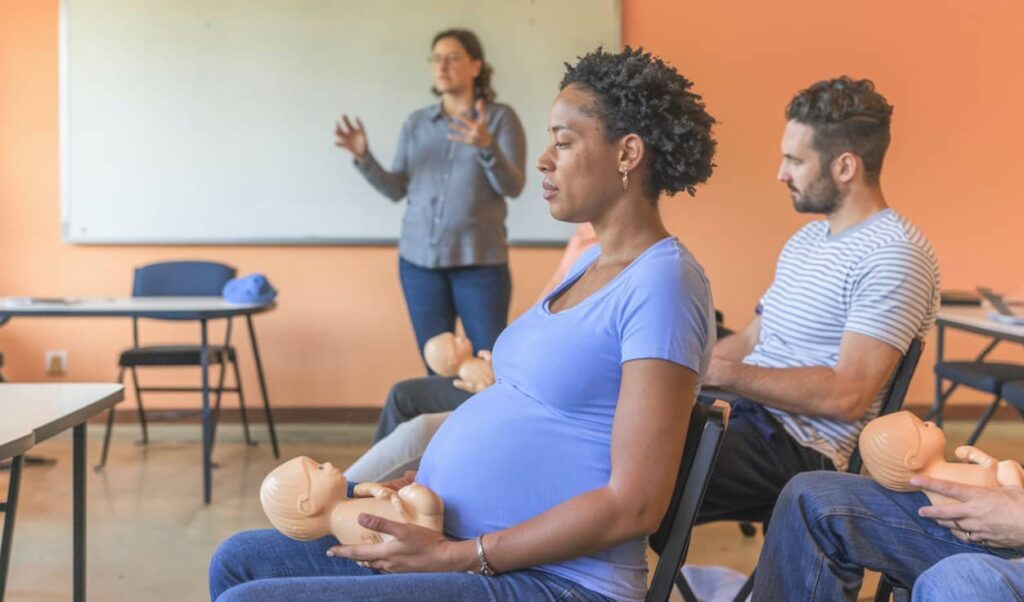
[(407, 479), (469, 386), (969, 453), (413, 549), (1010, 474)]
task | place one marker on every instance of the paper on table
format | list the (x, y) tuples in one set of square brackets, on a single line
[(1004, 319), (27, 301)]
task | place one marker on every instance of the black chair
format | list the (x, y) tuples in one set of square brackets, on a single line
[(179, 279), (893, 402), (980, 375), (672, 539)]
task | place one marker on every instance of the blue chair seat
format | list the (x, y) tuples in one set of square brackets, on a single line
[(175, 355), (984, 376), (1013, 393)]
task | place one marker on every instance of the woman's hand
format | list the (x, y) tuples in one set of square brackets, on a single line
[(351, 137), (467, 130), (414, 549), (989, 516)]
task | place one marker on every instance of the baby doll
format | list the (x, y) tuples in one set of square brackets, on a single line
[(899, 446), (451, 355), (306, 500)]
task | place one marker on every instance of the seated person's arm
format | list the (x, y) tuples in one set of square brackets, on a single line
[(844, 392), (655, 401), (892, 297), (740, 344)]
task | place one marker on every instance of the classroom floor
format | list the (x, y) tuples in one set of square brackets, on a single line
[(150, 537)]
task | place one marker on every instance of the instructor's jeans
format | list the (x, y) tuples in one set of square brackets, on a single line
[(478, 295), (828, 527)]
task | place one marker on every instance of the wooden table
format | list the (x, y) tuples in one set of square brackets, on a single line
[(46, 410), (199, 309)]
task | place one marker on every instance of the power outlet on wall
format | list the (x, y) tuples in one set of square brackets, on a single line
[(56, 362)]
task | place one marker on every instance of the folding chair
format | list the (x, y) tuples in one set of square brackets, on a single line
[(672, 539), (179, 279), (892, 403)]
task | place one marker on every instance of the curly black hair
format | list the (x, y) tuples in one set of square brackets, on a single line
[(639, 93), (847, 115)]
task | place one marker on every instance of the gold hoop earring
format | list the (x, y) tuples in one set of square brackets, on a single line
[(625, 179)]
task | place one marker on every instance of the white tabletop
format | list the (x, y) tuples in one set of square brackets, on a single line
[(48, 409), (191, 307), (977, 318), (14, 441)]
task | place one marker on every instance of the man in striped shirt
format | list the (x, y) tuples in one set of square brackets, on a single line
[(850, 293)]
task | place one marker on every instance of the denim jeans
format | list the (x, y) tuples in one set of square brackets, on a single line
[(265, 566), (828, 527), (964, 577), (478, 295)]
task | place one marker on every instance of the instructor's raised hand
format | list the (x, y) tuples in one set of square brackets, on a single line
[(467, 130), (351, 137)]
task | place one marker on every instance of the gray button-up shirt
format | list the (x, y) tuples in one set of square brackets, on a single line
[(456, 212)]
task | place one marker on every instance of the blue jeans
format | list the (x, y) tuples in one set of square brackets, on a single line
[(258, 566), (828, 527), (479, 295), (964, 577)]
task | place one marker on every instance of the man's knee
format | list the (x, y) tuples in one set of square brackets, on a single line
[(821, 492), (961, 577)]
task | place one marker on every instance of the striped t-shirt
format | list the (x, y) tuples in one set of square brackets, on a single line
[(879, 278)]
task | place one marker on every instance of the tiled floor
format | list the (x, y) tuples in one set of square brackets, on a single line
[(150, 537)]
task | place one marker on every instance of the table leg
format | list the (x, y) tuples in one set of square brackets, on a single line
[(9, 507), (263, 385), (78, 478), (204, 361)]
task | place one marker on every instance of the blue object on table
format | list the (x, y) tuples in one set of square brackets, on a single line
[(254, 288)]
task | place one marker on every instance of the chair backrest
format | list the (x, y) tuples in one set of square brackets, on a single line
[(181, 279), (897, 392), (672, 539)]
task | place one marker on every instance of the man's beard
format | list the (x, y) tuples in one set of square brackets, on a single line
[(821, 196)]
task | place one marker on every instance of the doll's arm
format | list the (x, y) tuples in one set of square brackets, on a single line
[(375, 490)]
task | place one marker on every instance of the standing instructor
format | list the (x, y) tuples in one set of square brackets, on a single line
[(456, 162)]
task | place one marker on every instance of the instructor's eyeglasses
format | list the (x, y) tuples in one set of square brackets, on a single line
[(438, 59)]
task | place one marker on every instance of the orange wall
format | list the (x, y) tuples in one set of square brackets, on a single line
[(341, 336)]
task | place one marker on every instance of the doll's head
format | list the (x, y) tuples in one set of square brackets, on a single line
[(446, 352), (298, 492), (898, 446)]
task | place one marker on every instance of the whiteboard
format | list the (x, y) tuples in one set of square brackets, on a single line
[(211, 121)]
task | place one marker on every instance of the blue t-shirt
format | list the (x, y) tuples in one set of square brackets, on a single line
[(542, 433)]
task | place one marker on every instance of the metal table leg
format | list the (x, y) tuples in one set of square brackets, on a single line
[(78, 485), (9, 507), (204, 361), (263, 385)]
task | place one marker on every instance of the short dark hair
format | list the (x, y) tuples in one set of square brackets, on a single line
[(639, 93), (847, 115), (481, 83)]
